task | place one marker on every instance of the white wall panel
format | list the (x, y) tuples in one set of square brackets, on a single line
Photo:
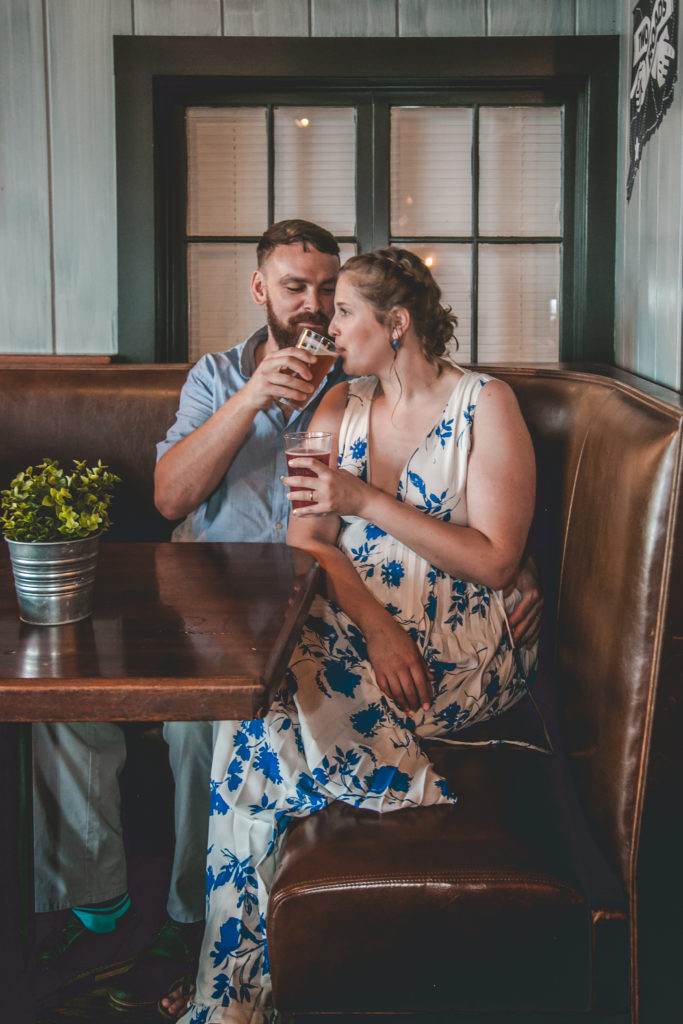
[(25, 277), (78, 187), (353, 18), (598, 17), (646, 320), (121, 17), (265, 17), (177, 17), (442, 17), (667, 254), (648, 292), (531, 17), (81, 81)]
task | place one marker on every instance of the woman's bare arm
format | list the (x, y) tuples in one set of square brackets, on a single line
[(500, 500), (399, 668)]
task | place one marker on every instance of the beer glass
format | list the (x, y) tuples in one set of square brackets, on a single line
[(315, 444), (325, 354)]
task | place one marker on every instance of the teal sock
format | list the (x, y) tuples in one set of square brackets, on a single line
[(102, 917)]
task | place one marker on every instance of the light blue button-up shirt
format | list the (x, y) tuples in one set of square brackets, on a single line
[(250, 503)]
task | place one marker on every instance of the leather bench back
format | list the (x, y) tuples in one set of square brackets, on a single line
[(113, 413), (609, 474)]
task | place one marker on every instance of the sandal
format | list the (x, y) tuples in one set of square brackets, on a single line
[(184, 987)]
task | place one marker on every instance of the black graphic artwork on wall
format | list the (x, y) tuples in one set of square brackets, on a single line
[(654, 67)]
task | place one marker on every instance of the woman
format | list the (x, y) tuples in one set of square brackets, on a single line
[(434, 494)]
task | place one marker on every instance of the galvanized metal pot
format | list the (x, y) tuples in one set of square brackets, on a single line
[(54, 580)]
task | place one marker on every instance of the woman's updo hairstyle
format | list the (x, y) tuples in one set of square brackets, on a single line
[(397, 277)]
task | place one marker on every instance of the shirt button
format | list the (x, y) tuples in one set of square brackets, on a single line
[(278, 526)]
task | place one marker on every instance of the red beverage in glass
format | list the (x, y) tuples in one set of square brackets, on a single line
[(298, 453)]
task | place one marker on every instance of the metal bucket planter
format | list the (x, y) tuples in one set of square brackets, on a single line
[(54, 580)]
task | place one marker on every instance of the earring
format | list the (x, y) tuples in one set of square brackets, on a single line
[(396, 340)]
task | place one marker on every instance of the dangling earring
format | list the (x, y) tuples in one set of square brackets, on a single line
[(396, 340)]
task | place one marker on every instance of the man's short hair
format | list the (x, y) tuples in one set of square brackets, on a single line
[(289, 232)]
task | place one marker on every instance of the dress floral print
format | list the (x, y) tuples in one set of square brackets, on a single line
[(332, 734)]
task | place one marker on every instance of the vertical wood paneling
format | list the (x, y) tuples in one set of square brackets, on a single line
[(79, 184), (177, 17), (353, 18), (668, 243), (265, 17), (531, 17), (81, 81), (627, 232), (121, 17), (598, 17), (646, 322), (441, 17), (25, 279), (649, 290)]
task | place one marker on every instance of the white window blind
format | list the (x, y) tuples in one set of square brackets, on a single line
[(520, 171), (451, 266), (227, 170), (431, 199), (315, 166), (518, 303), (431, 176), (221, 311)]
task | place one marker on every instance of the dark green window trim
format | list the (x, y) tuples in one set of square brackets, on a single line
[(584, 68)]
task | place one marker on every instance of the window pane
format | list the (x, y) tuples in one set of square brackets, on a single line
[(227, 167), (315, 166), (346, 249), (452, 269), (431, 171), (520, 171), (519, 289), (218, 277)]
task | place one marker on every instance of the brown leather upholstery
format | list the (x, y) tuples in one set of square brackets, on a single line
[(113, 413), (525, 896)]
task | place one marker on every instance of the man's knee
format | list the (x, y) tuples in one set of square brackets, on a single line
[(189, 741)]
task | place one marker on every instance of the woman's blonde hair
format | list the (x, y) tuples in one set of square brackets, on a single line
[(392, 277)]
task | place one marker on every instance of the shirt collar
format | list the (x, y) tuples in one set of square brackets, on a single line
[(248, 353)]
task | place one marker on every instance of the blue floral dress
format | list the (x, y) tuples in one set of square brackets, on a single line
[(332, 734)]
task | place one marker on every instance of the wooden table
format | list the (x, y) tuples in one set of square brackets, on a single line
[(179, 632)]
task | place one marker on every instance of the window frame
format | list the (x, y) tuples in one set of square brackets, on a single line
[(154, 73)]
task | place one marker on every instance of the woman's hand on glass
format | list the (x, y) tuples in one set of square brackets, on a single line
[(399, 667), (327, 490)]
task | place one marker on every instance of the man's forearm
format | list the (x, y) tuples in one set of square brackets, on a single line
[(189, 472)]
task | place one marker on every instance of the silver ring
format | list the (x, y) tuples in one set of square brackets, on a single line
[(310, 496)]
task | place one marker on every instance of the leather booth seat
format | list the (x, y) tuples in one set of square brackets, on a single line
[(551, 891)]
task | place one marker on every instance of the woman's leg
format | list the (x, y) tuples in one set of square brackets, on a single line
[(259, 779)]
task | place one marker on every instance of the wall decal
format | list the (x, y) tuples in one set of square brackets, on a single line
[(654, 67)]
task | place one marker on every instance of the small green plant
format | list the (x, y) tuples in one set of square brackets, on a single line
[(49, 503)]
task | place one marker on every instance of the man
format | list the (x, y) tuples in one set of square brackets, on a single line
[(222, 459), (219, 466)]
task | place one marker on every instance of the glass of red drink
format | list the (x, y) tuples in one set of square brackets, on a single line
[(325, 355), (314, 444)]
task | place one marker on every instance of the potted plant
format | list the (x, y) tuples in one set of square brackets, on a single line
[(52, 520)]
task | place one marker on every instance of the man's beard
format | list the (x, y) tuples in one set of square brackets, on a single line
[(287, 334)]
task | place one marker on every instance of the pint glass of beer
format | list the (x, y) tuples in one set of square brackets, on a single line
[(325, 354)]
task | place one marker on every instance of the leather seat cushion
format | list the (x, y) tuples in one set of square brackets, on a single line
[(477, 906)]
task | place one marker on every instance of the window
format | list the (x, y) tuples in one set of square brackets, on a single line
[(484, 156), (475, 190)]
